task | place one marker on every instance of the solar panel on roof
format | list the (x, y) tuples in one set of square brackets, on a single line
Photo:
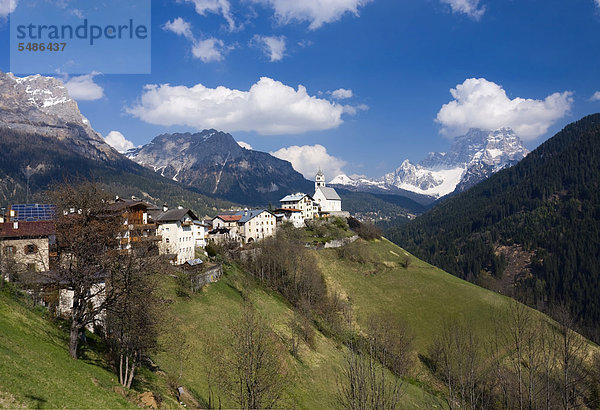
[(32, 212)]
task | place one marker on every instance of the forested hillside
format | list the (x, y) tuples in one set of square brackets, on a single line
[(546, 209), (51, 160)]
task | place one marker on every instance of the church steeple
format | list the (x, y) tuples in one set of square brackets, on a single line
[(319, 179)]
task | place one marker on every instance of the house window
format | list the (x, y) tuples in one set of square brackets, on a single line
[(167, 240), (9, 250), (32, 267), (30, 249)]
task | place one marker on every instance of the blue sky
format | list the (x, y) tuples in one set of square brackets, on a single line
[(368, 81)]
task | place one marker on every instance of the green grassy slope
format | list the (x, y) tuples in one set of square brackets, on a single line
[(421, 295), (36, 370), (203, 318)]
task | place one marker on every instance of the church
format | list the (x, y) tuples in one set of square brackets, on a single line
[(329, 201)]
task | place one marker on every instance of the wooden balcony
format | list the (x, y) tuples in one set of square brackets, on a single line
[(152, 238), (143, 226)]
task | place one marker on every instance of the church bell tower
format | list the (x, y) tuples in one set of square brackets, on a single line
[(319, 180)]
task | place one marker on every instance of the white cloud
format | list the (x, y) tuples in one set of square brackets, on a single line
[(244, 145), (7, 7), (209, 50), (479, 103), (597, 3), (596, 95), (272, 46), (469, 7), (307, 160), (341, 94), (269, 107), (118, 141), (180, 27), (316, 12), (83, 88), (354, 109), (221, 7)]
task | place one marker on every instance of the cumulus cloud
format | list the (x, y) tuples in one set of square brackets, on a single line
[(479, 103), (272, 46), (83, 88), (469, 7), (118, 141), (180, 27), (7, 7), (307, 160), (268, 107), (316, 12), (244, 145), (596, 95), (207, 50), (597, 3), (341, 94), (221, 7)]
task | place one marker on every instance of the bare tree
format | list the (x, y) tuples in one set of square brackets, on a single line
[(572, 350), (365, 383), (255, 373), (133, 320), (456, 354), (86, 234), (392, 342)]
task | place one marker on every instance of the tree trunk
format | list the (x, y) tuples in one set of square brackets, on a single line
[(131, 372), (121, 369), (74, 338)]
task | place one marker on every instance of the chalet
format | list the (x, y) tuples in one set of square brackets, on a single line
[(138, 226), (256, 224), (29, 244), (303, 202), (176, 229)]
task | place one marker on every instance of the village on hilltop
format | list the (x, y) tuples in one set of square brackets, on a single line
[(27, 232)]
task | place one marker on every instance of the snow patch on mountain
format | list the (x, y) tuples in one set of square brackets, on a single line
[(472, 158)]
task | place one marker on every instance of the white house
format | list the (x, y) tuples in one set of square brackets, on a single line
[(256, 224), (328, 199), (176, 227), (291, 215), (201, 233), (228, 221), (303, 202)]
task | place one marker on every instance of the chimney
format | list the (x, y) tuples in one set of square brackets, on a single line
[(179, 207), (16, 225), (245, 211), (165, 208)]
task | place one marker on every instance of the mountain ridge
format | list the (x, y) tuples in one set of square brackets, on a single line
[(472, 158)]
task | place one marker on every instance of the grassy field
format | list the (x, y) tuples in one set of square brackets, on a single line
[(203, 318), (36, 370), (421, 295)]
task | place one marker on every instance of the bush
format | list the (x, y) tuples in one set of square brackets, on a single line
[(368, 231), (211, 249)]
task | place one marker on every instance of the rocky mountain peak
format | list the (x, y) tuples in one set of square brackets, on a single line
[(471, 158), (42, 105)]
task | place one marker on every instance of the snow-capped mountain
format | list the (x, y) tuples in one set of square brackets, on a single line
[(472, 158), (42, 105)]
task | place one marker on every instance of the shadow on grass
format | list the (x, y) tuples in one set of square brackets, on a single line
[(39, 401)]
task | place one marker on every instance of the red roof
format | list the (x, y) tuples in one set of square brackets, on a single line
[(229, 218), (27, 229)]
